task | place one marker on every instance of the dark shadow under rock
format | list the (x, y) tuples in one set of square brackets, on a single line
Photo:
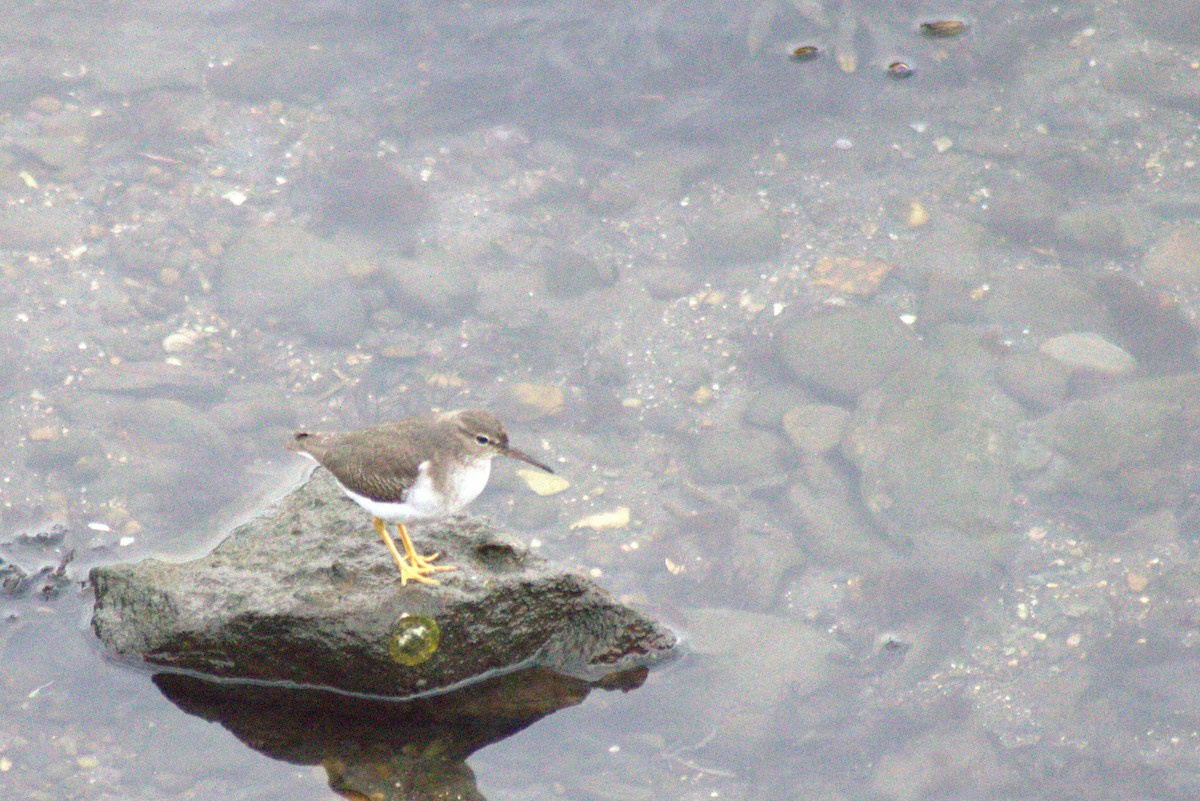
[(307, 597)]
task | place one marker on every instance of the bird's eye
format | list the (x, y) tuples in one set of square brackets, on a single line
[(481, 439)]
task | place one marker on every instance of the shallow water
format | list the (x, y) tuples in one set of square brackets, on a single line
[(896, 375)]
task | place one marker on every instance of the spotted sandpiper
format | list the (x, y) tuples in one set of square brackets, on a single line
[(416, 469)]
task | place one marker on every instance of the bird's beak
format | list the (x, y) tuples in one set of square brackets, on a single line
[(525, 457)]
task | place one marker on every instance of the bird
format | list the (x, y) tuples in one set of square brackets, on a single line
[(413, 470)]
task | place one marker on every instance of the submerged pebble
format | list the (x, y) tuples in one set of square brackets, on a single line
[(1089, 351), (617, 518), (180, 341), (815, 427), (544, 483)]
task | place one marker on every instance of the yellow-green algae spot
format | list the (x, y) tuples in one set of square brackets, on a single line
[(414, 639)]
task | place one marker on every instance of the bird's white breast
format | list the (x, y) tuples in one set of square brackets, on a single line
[(471, 481), (424, 501)]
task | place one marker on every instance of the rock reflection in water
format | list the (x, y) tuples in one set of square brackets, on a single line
[(381, 749)]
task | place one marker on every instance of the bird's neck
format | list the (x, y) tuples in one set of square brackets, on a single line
[(462, 480)]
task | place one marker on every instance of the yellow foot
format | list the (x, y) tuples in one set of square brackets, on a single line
[(418, 573), (418, 567), (425, 564), (413, 566)]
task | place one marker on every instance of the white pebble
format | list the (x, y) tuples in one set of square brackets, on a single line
[(180, 341)]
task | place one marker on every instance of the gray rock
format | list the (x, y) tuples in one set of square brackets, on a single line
[(434, 286), (272, 269), (1104, 227), (361, 192), (334, 315), (308, 596), (568, 274), (765, 408), (815, 427), (935, 450), (1043, 302), (847, 352), (173, 426), (1156, 331), (1132, 446), (830, 521), (174, 446), (287, 275), (44, 572), (1175, 258), (1024, 209), (753, 569), (746, 665), (735, 456), (948, 248), (1034, 379), (12, 579)]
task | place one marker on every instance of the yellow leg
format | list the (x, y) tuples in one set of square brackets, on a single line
[(416, 567), (422, 563)]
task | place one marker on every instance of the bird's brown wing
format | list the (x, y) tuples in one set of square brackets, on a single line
[(371, 461)]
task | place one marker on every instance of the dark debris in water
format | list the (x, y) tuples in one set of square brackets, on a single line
[(806, 53), (944, 28), (20, 578), (48, 581), (43, 539)]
